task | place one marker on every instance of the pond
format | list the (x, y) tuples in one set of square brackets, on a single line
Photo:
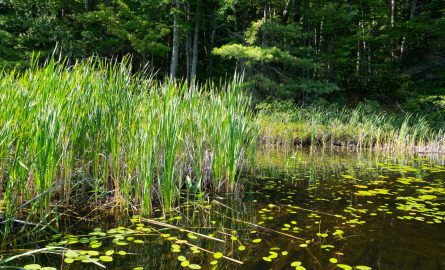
[(302, 210)]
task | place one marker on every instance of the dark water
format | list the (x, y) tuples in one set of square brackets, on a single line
[(383, 211)]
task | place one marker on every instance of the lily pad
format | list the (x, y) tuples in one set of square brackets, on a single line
[(181, 258), (106, 258), (32, 266)]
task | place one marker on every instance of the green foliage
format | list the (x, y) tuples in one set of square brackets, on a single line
[(131, 136), (131, 24), (303, 51), (276, 68), (239, 51)]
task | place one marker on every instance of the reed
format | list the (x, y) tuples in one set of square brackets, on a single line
[(358, 128), (112, 131)]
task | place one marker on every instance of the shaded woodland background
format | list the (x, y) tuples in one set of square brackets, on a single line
[(388, 53)]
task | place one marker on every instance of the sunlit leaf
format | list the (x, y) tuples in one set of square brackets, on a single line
[(106, 258), (32, 266)]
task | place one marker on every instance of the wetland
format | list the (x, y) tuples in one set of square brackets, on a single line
[(299, 209)]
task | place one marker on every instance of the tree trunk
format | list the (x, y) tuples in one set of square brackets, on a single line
[(305, 22), (175, 49), (195, 43), (393, 15), (212, 41), (187, 47), (243, 27), (320, 42), (411, 16), (264, 11), (363, 39), (84, 51)]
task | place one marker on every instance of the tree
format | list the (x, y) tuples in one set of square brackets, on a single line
[(277, 65)]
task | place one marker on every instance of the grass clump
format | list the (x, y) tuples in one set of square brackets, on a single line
[(94, 128), (333, 126)]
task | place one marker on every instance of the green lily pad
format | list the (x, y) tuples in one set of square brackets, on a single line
[(181, 258), (106, 258), (95, 245), (71, 254), (32, 266), (93, 253)]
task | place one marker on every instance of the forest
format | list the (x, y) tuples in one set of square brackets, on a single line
[(384, 53)]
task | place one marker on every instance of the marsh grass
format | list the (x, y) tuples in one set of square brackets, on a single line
[(359, 128), (102, 129)]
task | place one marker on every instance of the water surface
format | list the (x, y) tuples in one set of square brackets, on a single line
[(357, 209)]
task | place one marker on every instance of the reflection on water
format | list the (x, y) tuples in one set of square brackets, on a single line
[(323, 210)]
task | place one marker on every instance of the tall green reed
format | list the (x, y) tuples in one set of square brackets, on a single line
[(359, 128), (124, 133)]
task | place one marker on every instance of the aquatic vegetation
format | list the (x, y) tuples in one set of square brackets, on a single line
[(96, 132), (304, 211), (331, 126)]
